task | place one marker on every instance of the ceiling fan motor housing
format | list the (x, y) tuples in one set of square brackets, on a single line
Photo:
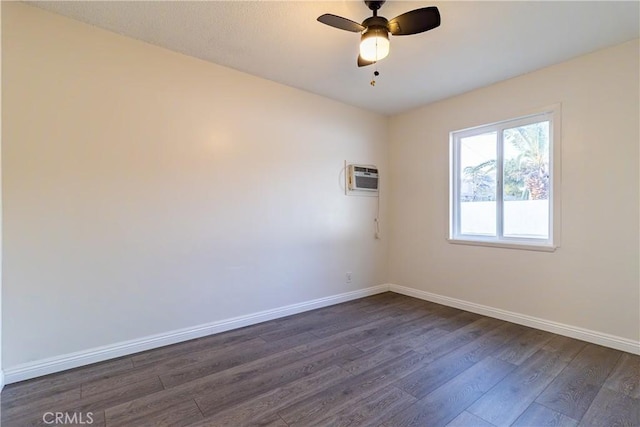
[(376, 22)]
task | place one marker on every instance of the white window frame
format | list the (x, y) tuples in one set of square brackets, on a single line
[(552, 114)]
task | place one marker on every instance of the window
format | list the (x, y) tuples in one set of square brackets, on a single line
[(505, 183)]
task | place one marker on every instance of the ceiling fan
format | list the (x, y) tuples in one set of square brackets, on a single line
[(374, 43)]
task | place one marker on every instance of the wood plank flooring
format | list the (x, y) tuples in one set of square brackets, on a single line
[(386, 360)]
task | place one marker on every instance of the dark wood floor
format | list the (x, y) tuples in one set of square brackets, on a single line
[(387, 360)]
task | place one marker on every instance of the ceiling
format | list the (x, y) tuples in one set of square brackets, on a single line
[(478, 43)]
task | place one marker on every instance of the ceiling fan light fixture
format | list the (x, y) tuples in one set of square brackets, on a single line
[(374, 44), (375, 30)]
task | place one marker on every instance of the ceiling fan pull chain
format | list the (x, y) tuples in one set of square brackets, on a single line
[(375, 74), (375, 63)]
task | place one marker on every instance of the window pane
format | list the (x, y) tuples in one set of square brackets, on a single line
[(526, 181), (478, 184)]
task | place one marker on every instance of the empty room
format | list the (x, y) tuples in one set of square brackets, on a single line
[(320, 213)]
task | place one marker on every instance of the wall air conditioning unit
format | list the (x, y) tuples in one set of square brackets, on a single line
[(363, 178)]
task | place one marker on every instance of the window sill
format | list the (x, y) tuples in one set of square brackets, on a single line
[(505, 245)]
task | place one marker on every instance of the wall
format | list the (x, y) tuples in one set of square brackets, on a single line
[(592, 281), (147, 191), (1, 370)]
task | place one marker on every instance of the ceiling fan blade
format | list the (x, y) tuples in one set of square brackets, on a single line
[(363, 62), (415, 21), (340, 23)]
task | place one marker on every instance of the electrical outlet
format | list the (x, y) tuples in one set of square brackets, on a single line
[(348, 276)]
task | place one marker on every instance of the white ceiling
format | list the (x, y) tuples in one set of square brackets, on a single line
[(478, 43)]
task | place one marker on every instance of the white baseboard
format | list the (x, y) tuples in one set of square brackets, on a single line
[(73, 360), (1, 380), (595, 337)]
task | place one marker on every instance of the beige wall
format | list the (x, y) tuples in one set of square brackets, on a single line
[(592, 280), (146, 191), (1, 370)]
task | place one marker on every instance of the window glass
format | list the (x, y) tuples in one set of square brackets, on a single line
[(502, 183), (526, 181), (478, 184)]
